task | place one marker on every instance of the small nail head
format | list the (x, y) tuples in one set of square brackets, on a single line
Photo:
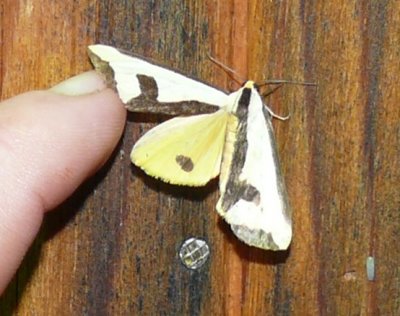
[(194, 253), (370, 265)]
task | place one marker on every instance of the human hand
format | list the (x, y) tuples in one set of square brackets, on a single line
[(49, 144)]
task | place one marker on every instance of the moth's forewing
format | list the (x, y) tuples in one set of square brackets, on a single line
[(253, 195)]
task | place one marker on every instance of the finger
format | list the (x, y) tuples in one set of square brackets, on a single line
[(49, 144), (84, 83)]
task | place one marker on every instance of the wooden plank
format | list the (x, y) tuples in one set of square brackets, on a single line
[(112, 248), (383, 153)]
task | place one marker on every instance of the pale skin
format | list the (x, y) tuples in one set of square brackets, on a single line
[(49, 144)]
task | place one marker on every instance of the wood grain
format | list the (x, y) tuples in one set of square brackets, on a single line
[(111, 249)]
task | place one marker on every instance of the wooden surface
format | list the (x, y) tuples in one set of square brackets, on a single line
[(111, 249)]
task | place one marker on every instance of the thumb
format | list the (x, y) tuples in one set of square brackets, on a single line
[(49, 144)]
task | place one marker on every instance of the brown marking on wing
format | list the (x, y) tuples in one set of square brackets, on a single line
[(185, 163)]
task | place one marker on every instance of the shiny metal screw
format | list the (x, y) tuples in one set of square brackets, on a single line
[(194, 253)]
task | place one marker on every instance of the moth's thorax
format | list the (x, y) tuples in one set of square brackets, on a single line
[(239, 101)]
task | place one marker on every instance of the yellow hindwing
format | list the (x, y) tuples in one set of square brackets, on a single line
[(183, 150)]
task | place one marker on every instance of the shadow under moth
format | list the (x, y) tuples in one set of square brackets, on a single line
[(229, 135)]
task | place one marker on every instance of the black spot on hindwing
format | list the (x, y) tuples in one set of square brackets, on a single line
[(185, 163)]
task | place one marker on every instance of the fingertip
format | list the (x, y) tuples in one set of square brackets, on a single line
[(101, 119), (84, 83)]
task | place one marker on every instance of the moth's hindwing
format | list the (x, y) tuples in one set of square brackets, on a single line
[(253, 196), (183, 150)]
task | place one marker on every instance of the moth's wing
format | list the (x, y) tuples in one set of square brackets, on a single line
[(146, 87), (183, 150), (253, 196)]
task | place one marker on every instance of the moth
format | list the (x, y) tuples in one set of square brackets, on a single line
[(217, 133)]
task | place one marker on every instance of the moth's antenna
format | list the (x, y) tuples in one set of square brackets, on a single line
[(269, 92), (232, 73), (280, 82)]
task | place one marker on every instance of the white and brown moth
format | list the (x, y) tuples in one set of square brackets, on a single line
[(232, 138)]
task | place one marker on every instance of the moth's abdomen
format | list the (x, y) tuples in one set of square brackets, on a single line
[(227, 157)]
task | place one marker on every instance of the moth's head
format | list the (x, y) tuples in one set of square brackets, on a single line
[(250, 84)]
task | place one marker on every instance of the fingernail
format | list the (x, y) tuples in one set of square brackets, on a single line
[(84, 83)]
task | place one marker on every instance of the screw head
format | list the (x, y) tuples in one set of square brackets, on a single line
[(194, 253)]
